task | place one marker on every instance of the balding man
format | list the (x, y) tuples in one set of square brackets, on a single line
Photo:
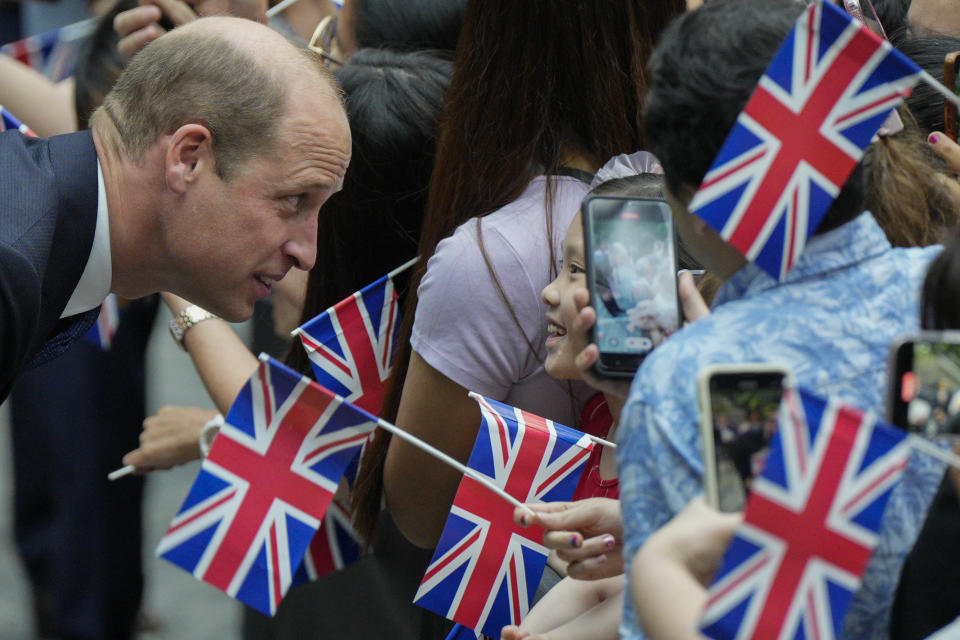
[(203, 175)]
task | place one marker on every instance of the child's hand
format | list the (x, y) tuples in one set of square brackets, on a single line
[(587, 533)]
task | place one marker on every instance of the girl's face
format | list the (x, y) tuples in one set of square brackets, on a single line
[(563, 342)]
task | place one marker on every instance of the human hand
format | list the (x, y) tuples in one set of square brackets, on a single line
[(586, 358), (949, 152), (140, 26), (170, 438), (588, 534)]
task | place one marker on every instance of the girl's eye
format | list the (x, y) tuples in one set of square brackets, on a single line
[(575, 269)]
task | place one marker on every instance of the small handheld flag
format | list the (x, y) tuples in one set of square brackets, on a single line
[(53, 53), (351, 344), (265, 486), (811, 523), (335, 545), (9, 121), (827, 91), (486, 569), (102, 332)]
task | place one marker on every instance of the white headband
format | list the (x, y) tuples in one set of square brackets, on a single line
[(625, 165)]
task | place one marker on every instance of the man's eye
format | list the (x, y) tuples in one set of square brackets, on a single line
[(294, 201)]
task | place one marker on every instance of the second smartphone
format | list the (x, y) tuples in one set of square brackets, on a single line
[(632, 276), (924, 391), (738, 417)]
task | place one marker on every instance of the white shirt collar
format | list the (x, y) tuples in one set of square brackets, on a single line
[(94, 284)]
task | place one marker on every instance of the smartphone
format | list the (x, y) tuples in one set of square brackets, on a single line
[(631, 258), (950, 69), (924, 384), (739, 404)]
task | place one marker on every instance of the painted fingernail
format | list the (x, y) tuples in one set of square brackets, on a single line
[(523, 520), (933, 138), (574, 541), (609, 541)]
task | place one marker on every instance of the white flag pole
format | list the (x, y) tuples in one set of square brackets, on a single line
[(922, 444), (406, 265), (456, 464), (119, 473), (936, 84)]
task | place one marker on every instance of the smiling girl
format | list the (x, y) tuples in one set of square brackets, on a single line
[(586, 608)]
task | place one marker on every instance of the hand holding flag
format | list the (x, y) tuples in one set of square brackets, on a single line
[(486, 568), (265, 486)]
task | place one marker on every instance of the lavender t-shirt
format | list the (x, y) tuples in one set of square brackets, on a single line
[(463, 328)]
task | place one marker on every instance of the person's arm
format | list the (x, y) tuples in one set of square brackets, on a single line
[(43, 105), (670, 573), (418, 487), (219, 356)]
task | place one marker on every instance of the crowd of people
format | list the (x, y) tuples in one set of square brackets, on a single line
[(230, 159)]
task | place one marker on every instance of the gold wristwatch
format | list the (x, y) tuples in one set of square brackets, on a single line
[(181, 322)]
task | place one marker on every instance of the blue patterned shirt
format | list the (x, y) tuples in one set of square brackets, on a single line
[(831, 322)]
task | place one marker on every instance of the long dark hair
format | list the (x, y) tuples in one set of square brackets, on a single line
[(533, 81), (940, 304), (394, 101), (409, 25)]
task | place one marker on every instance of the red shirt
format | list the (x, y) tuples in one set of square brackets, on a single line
[(596, 420)]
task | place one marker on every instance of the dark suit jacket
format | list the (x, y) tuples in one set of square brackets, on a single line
[(48, 214)]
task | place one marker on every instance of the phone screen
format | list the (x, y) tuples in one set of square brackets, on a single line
[(927, 393), (744, 408), (633, 278)]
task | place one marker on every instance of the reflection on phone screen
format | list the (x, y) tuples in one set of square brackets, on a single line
[(744, 420), (636, 291), (931, 390)]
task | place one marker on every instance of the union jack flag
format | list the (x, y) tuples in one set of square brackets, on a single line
[(829, 88), (264, 487), (351, 344), (53, 53), (811, 523), (105, 328), (486, 569), (335, 545), (8, 121)]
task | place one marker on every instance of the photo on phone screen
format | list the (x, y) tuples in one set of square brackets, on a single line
[(740, 417), (632, 275), (926, 385)]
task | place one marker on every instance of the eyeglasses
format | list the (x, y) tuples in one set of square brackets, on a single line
[(322, 41)]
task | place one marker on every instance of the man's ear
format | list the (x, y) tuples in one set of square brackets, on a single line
[(189, 154)]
